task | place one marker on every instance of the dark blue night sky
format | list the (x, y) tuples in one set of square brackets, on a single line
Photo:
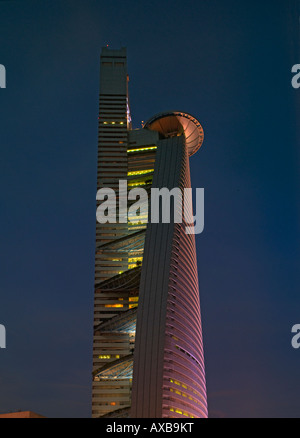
[(229, 64)]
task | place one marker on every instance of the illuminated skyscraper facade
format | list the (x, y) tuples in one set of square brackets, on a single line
[(148, 352)]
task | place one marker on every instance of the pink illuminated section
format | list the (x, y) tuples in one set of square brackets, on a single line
[(184, 386)]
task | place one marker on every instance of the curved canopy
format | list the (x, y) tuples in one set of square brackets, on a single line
[(175, 123)]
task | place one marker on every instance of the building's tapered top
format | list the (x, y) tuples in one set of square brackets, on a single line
[(107, 52), (175, 123)]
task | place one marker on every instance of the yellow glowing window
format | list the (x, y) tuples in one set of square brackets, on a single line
[(135, 299), (178, 411), (117, 356), (105, 356), (113, 123), (114, 305), (140, 172), (134, 224), (113, 404), (131, 306), (121, 123), (140, 216), (135, 259), (142, 149), (171, 410), (141, 183)]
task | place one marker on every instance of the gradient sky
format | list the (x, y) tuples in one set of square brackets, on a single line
[(229, 64)]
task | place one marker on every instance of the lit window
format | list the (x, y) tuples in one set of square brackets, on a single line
[(132, 306), (140, 172), (140, 183), (135, 259), (142, 149), (113, 305)]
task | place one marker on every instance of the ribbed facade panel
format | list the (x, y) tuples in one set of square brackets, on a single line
[(168, 374)]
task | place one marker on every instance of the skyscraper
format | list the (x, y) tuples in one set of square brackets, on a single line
[(148, 353)]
